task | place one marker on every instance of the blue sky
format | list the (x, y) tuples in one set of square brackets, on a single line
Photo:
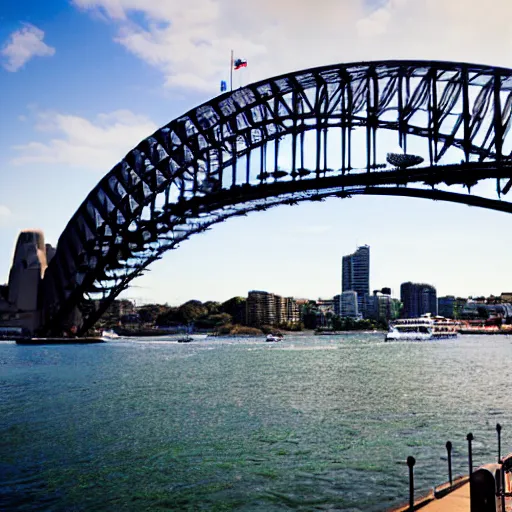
[(83, 81)]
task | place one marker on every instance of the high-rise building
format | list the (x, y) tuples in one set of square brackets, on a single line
[(355, 274), (265, 308), (261, 308), (292, 311), (287, 310), (418, 299), (349, 306)]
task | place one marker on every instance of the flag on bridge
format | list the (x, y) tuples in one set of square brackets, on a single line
[(240, 63)]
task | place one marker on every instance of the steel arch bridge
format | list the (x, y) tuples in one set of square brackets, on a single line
[(303, 136)]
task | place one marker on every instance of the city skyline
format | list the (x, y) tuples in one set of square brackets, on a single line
[(74, 110)]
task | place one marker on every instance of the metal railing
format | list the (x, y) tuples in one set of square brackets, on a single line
[(490, 484)]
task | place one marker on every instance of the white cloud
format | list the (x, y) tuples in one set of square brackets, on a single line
[(93, 145), (190, 41), (23, 45), (5, 214)]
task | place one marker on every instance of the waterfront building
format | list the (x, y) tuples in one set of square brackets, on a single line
[(337, 305), (326, 305), (280, 303), (287, 310), (501, 311), (261, 308), (446, 306), (292, 311), (264, 308), (349, 305), (450, 306), (473, 310), (418, 299), (479, 310), (382, 307), (355, 274)]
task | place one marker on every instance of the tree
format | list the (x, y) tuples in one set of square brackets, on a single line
[(236, 308), (309, 314), (212, 307), (169, 317), (150, 312), (213, 321), (337, 323), (192, 311)]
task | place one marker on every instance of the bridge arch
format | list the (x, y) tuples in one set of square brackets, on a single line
[(302, 136)]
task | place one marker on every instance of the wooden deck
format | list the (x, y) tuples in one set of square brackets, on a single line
[(445, 499), (456, 501)]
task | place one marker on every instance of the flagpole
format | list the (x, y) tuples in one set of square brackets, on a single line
[(231, 73)]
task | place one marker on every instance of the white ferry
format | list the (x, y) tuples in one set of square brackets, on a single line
[(425, 328)]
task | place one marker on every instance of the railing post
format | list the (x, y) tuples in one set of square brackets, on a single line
[(498, 430), (503, 490), (470, 438), (449, 450), (410, 462)]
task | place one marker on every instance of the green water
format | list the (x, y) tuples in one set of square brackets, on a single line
[(311, 423)]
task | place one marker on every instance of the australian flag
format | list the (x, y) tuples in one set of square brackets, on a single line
[(240, 63)]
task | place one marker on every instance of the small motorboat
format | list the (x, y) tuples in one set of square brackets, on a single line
[(272, 338), (109, 335), (187, 336)]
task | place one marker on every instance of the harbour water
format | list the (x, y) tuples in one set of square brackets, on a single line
[(310, 423)]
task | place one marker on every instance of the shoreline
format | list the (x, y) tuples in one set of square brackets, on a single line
[(341, 333), (484, 332)]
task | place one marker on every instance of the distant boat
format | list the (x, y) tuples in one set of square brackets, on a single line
[(274, 338), (109, 335), (403, 160), (188, 336), (425, 328)]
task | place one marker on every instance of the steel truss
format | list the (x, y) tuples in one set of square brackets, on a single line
[(298, 137)]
